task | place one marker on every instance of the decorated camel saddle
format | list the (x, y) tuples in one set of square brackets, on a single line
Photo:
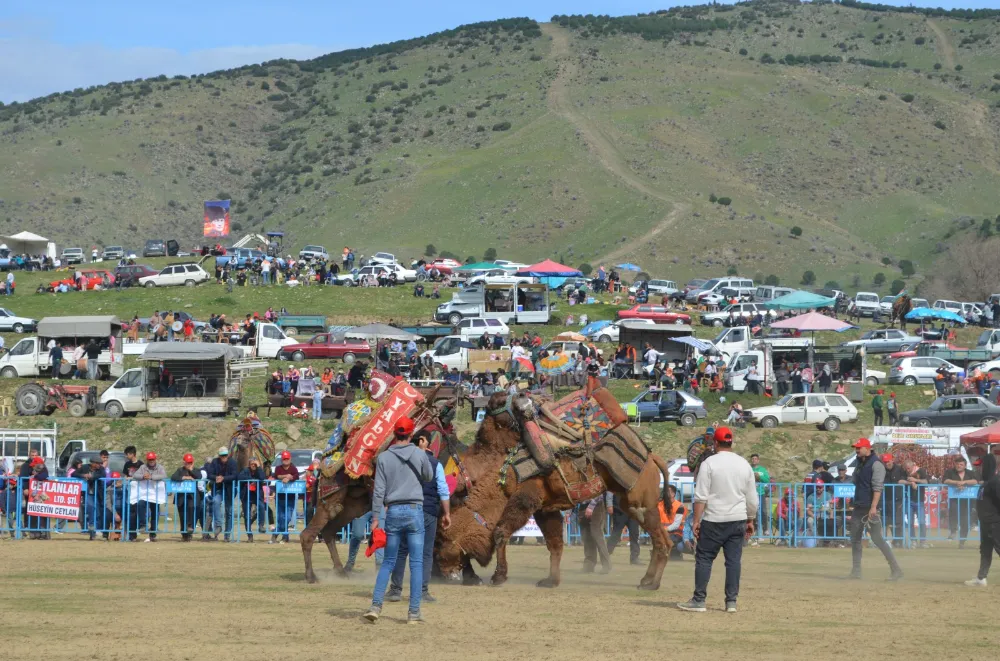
[(252, 438), (585, 426), (366, 428)]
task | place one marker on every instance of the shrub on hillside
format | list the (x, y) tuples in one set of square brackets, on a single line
[(502, 126), (896, 287), (907, 97), (725, 201), (808, 278), (906, 268), (772, 281), (796, 231)]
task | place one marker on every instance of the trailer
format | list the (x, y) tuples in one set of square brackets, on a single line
[(182, 377), (960, 357), (293, 324), (429, 332)]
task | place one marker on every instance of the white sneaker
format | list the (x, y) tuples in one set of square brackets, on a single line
[(976, 583), (147, 540)]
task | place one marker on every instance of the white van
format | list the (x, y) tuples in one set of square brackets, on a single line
[(765, 293), (472, 329), (943, 304), (741, 286), (15, 444), (30, 356)]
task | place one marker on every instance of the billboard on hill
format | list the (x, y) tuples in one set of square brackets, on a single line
[(216, 218)]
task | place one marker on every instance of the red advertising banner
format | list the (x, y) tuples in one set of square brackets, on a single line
[(54, 500), (366, 440)]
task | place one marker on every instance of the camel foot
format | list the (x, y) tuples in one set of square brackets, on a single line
[(548, 582), (472, 580), (311, 578), (342, 572), (649, 586), (497, 580)]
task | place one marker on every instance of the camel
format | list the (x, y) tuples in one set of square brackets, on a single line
[(900, 308), (492, 509)]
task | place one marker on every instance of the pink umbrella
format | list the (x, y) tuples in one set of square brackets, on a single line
[(814, 321), (525, 364)]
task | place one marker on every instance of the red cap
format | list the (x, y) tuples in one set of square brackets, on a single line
[(404, 427), (977, 462), (892, 394), (378, 539), (116, 475), (723, 434), (36, 461), (150, 456), (886, 458), (286, 455), (862, 443), (189, 459)]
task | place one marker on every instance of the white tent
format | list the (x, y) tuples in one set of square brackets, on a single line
[(29, 244)]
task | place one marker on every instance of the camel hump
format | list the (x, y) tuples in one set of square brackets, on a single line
[(623, 452), (609, 405)]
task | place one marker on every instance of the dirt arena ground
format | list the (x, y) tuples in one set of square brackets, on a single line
[(68, 599)]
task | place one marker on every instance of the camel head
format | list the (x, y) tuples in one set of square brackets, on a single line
[(509, 420)]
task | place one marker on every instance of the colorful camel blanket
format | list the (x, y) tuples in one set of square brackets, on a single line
[(623, 453), (371, 426)]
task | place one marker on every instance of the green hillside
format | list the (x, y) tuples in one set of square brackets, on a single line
[(870, 132)]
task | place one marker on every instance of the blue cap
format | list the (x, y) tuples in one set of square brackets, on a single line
[(710, 430)]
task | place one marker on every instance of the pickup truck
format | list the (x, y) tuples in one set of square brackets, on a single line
[(448, 352), (731, 341), (326, 346), (989, 339), (314, 252), (292, 324), (242, 256), (961, 357)]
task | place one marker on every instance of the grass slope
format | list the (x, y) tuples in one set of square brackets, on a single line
[(587, 140)]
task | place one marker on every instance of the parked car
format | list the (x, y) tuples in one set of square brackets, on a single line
[(866, 303), (911, 371), (11, 322), (827, 410), (472, 328), (718, 319), (883, 340), (353, 279), (508, 265), (444, 265), (766, 293), (499, 277), (679, 473), (310, 253), (743, 287), (112, 253), (92, 279), (885, 305), (919, 303), (952, 306), (612, 332), (328, 346), (72, 256), (116, 460), (129, 275), (657, 404), (691, 285), (657, 313), (953, 411), (302, 459), (382, 258), (657, 287), (155, 248), (176, 274)]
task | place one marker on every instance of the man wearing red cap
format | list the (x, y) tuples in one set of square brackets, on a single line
[(285, 472), (400, 473), (725, 511), (869, 482), (147, 492), (186, 502)]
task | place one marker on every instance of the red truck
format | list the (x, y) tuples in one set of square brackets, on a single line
[(326, 345)]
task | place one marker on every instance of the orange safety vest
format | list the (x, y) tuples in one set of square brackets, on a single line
[(675, 506)]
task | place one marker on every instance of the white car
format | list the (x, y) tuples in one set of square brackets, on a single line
[(11, 322), (827, 410), (112, 252), (176, 274), (72, 256), (919, 303), (612, 332), (374, 270), (472, 328), (310, 253), (718, 319), (500, 277), (658, 287), (382, 258), (919, 369), (866, 303), (508, 265), (885, 305)]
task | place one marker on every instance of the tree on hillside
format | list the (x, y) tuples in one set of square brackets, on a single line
[(430, 250), (796, 231), (447, 254), (469, 260), (878, 280), (896, 287), (772, 281), (832, 284), (585, 268), (731, 270), (906, 267), (808, 278), (886, 261), (490, 254), (986, 228)]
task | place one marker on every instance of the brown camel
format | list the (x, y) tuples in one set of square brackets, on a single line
[(900, 308), (486, 517)]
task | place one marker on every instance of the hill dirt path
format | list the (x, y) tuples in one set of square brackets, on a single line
[(608, 155), (947, 49)]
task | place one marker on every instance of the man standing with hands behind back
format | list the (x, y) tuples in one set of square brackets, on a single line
[(725, 508), (869, 481)]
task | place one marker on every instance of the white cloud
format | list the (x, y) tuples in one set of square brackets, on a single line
[(30, 68)]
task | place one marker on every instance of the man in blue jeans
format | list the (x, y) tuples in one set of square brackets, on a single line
[(437, 499), (222, 478), (399, 477), (725, 508)]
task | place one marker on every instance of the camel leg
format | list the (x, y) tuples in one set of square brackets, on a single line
[(661, 549), (551, 524), (515, 514), (308, 538), (330, 539), (469, 576)]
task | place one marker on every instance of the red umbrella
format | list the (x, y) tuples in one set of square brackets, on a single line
[(985, 436), (524, 364)]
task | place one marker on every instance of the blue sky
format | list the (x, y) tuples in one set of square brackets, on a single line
[(54, 45)]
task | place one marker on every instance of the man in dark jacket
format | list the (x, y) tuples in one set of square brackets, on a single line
[(959, 509), (894, 496), (251, 481), (988, 506), (222, 477), (96, 513), (187, 503), (869, 482)]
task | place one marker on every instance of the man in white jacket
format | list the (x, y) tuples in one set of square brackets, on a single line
[(725, 509), (147, 492)]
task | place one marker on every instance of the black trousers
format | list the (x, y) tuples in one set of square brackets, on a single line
[(989, 541), (715, 537), (619, 521), (878, 417)]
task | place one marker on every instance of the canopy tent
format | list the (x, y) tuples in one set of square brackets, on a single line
[(92, 326), (628, 266), (919, 314), (813, 321), (190, 351), (28, 243), (706, 348), (380, 332), (478, 266), (549, 269), (985, 436), (800, 300)]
